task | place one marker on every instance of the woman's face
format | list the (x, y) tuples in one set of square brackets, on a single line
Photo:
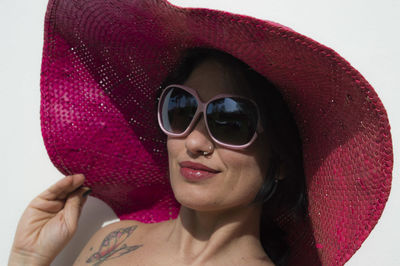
[(237, 176)]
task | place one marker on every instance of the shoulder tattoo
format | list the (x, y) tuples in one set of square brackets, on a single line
[(113, 246)]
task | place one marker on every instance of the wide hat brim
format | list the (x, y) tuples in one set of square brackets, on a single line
[(103, 62)]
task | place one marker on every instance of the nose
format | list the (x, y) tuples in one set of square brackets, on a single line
[(199, 142)]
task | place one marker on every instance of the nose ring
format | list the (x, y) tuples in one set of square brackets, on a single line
[(205, 153)]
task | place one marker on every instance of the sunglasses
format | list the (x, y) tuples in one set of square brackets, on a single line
[(232, 121)]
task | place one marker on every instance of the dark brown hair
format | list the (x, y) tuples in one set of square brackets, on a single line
[(290, 195)]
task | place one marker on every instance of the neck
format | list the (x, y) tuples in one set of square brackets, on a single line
[(199, 236)]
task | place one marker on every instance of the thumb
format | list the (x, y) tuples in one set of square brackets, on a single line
[(73, 206)]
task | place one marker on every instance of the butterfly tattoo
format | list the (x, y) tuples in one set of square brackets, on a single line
[(113, 246)]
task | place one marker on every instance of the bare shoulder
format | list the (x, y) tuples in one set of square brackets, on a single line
[(113, 241)]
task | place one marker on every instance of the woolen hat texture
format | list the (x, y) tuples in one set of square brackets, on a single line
[(104, 61)]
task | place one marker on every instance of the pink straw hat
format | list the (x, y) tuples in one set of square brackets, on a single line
[(104, 60)]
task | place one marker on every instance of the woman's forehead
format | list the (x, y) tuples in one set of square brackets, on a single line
[(212, 77)]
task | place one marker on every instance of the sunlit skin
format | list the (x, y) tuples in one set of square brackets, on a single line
[(241, 172)]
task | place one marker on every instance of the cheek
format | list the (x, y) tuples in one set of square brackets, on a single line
[(248, 169), (244, 175), (174, 148)]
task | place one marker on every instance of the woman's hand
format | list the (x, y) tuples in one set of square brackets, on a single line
[(49, 222)]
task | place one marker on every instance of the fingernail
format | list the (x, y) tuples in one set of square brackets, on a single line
[(87, 192)]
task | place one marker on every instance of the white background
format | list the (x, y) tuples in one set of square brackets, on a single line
[(365, 32)]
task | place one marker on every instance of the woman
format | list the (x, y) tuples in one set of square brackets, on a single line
[(221, 188), (75, 57)]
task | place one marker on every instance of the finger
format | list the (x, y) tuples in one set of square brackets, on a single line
[(66, 186), (49, 206), (63, 187), (72, 208)]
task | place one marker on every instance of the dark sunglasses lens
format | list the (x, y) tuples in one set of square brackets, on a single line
[(177, 110), (232, 120)]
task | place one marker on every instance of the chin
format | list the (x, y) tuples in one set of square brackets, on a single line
[(210, 195), (196, 201), (205, 202)]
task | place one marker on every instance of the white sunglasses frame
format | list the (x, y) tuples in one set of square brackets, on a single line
[(201, 108)]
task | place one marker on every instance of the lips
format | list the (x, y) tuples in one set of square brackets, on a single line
[(196, 171)]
